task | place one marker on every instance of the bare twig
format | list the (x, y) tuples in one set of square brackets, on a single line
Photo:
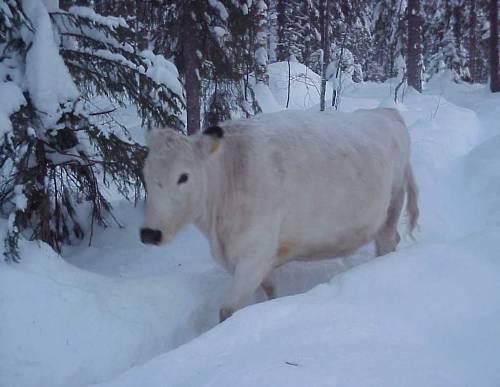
[(103, 112), (289, 81)]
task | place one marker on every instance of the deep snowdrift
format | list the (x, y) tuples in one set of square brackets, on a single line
[(426, 315), (304, 87), (63, 326)]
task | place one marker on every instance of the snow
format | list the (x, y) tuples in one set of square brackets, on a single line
[(97, 30), (331, 70), (261, 56), (159, 70), (62, 325), (11, 222), (415, 318), (261, 6), (12, 98), (112, 22), (304, 85), (20, 199), (219, 32), (8, 14), (265, 98), (120, 313), (162, 72), (112, 56), (47, 78), (220, 8), (244, 9)]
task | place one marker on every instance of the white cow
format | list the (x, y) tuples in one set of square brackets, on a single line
[(282, 186)]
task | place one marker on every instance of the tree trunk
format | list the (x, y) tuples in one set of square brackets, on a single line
[(289, 85), (494, 51), (141, 29), (325, 46), (338, 74), (473, 43), (282, 51), (192, 81), (306, 27), (261, 59), (414, 56)]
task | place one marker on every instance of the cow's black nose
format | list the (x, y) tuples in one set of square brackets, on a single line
[(150, 236)]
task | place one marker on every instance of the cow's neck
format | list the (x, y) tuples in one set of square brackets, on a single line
[(211, 189)]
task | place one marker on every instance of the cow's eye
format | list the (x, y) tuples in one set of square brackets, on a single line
[(182, 178)]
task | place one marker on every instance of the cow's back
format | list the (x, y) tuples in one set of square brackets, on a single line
[(326, 178)]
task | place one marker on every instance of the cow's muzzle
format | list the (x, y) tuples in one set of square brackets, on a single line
[(150, 236)]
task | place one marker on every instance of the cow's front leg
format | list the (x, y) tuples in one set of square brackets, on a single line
[(268, 287), (249, 274)]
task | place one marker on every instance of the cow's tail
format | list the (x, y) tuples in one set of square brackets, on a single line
[(411, 200)]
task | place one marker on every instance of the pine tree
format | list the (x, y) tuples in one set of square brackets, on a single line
[(356, 35), (494, 49), (190, 64), (473, 43), (54, 154), (292, 18), (349, 43), (434, 33), (477, 43), (389, 39), (311, 34), (211, 43), (456, 49), (226, 92), (454, 38), (283, 48)]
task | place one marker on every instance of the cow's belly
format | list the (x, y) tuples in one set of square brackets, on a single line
[(338, 243), (328, 229)]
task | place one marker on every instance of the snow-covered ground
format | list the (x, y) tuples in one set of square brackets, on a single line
[(124, 314)]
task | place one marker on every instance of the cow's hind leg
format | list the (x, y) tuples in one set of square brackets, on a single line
[(388, 237)]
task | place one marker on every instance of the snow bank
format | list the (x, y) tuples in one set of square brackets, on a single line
[(454, 129), (442, 135), (304, 85), (424, 316), (265, 98), (61, 325), (482, 171)]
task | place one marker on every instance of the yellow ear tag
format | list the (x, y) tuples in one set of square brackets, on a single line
[(215, 145)]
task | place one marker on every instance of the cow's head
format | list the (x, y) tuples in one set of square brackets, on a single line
[(174, 177)]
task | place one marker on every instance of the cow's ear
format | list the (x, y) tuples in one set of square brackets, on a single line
[(209, 141), (214, 131)]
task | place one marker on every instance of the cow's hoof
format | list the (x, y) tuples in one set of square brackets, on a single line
[(225, 313), (268, 288)]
